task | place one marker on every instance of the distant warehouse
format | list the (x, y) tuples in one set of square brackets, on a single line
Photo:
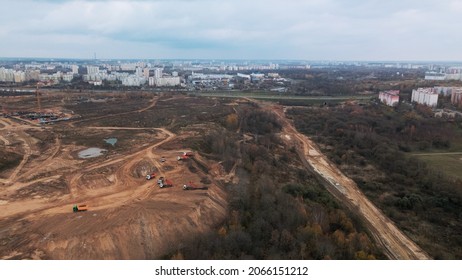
[(425, 96), (390, 97)]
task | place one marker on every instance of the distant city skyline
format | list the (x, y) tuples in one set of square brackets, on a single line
[(367, 30)]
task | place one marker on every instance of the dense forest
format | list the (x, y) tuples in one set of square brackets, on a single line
[(349, 81), (371, 144), (278, 210)]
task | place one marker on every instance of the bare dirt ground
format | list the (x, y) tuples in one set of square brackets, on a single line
[(129, 217), (395, 243)]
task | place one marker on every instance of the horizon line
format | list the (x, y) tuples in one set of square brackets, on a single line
[(235, 59)]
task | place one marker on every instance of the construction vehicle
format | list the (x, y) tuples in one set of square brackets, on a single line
[(185, 156), (162, 182), (79, 207), (192, 186), (150, 176), (188, 154)]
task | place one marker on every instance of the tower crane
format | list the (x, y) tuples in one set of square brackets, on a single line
[(38, 94)]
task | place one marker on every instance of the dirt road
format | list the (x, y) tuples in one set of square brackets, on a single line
[(395, 243)]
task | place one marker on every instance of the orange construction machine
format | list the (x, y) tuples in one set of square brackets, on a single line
[(164, 183), (80, 207)]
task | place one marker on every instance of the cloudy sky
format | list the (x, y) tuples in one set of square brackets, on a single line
[(233, 29)]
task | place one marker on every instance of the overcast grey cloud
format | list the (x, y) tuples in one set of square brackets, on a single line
[(259, 29)]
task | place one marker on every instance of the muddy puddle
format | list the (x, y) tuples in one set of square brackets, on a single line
[(91, 153), (111, 141)]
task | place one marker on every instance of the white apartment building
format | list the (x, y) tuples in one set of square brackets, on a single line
[(390, 98), (435, 76), (68, 77), (158, 73), (133, 81), (243, 76), (92, 70), (75, 69), (6, 75), (425, 96), (19, 76), (128, 67), (32, 75), (139, 72), (146, 73), (456, 96), (454, 73), (443, 90), (151, 81), (164, 82)]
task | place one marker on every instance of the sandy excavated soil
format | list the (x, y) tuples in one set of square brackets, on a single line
[(395, 243), (129, 217)]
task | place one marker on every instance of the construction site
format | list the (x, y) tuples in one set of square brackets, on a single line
[(127, 199), (120, 177)]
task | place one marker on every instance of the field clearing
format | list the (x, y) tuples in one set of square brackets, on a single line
[(272, 96), (449, 163)]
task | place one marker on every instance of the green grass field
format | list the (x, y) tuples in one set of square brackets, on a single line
[(449, 164), (282, 96), (287, 100)]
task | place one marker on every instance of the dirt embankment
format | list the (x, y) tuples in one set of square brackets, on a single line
[(140, 228)]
